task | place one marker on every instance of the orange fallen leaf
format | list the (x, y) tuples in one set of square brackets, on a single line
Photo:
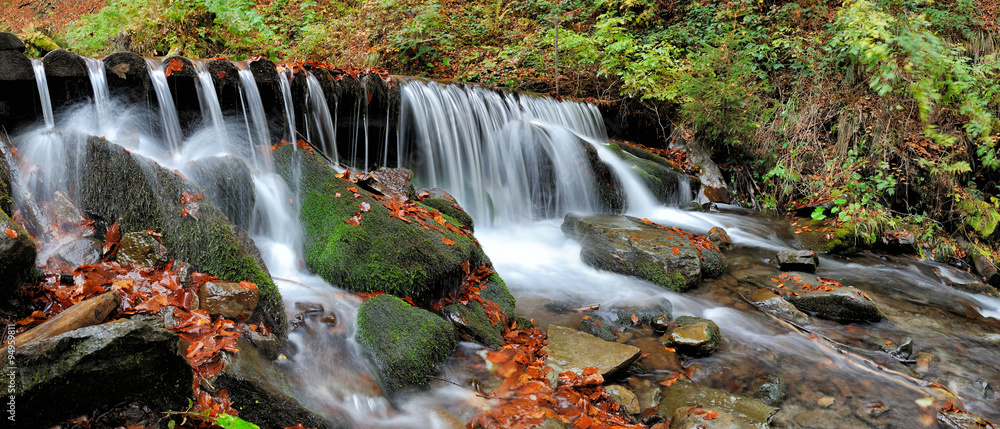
[(676, 250), (447, 241), (635, 319), (221, 74), (711, 415), (10, 232), (248, 285)]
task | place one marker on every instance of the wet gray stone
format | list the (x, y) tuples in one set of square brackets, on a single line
[(798, 260)]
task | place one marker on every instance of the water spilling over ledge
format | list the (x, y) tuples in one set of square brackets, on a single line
[(517, 163)]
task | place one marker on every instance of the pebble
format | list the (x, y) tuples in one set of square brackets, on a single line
[(825, 401)]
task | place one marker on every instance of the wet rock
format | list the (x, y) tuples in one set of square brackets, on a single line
[(382, 252), (139, 194), (471, 319), (706, 418), (798, 260), (67, 78), (986, 268), (900, 349), (230, 300), (713, 185), (141, 248), (98, 368), (128, 78), (976, 288), (227, 181), (226, 79), (662, 178), (684, 395), (769, 301), (14, 66), (571, 350), (769, 388), (393, 183), (10, 42), (17, 262), (597, 328), (66, 210), (822, 238), (648, 393), (667, 257), (261, 393), (876, 413), (303, 311), (828, 419), (693, 336), (83, 251), (625, 397), (609, 187), (720, 238), (6, 201), (405, 343), (656, 358), (825, 298), (450, 208), (962, 420), (655, 314)]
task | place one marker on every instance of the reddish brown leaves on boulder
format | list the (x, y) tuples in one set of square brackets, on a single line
[(221, 74), (174, 65), (10, 232), (111, 239)]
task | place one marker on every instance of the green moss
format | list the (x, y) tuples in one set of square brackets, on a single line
[(444, 205), (6, 202), (141, 195), (383, 253), (650, 271), (405, 343)]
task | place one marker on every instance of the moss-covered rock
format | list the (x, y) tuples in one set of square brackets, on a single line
[(6, 200), (227, 180), (667, 257), (97, 368), (824, 238), (694, 336), (139, 194), (471, 319), (17, 264), (821, 298), (447, 207), (661, 177), (382, 252), (405, 343), (606, 183)]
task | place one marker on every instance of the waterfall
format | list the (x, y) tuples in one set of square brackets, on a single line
[(43, 92), (505, 157), (209, 100), (99, 80), (321, 118), (260, 137), (286, 96), (168, 112)]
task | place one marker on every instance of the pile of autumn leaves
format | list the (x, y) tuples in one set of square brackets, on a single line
[(147, 290)]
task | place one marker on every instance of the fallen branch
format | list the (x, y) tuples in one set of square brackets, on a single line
[(89, 312)]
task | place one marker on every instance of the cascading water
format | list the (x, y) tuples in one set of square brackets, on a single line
[(168, 112), (211, 110), (43, 92), (99, 80), (256, 121), (286, 96), (495, 153), (322, 122)]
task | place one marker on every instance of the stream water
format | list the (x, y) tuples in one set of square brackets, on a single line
[(512, 160)]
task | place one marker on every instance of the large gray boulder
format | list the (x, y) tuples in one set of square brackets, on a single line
[(669, 257), (122, 187), (823, 298), (98, 368), (405, 343)]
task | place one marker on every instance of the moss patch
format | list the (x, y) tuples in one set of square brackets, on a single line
[(382, 253), (405, 343), (444, 206)]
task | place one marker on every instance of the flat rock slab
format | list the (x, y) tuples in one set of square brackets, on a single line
[(798, 260), (669, 257), (683, 395), (823, 298), (571, 350)]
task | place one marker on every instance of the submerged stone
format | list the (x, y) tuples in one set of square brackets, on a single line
[(694, 336), (628, 401), (405, 343), (683, 395), (84, 251), (668, 257), (798, 260), (706, 418), (721, 238), (770, 388), (823, 298), (571, 350)]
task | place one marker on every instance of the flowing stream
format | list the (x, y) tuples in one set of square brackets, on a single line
[(515, 162)]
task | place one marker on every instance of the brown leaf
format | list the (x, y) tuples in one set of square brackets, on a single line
[(447, 241)]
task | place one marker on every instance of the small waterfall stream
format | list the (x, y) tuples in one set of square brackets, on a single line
[(516, 162)]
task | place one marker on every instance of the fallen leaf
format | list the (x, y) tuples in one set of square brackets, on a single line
[(447, 241), (635, 319), (221, 74), (675, 250), (365, 207), (10, 232)]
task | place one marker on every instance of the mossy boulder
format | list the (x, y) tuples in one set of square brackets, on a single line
[(826, 238), (661, 177), (471, 319), (6, 199), (405, 343), (382, 252), (694, 336), (447, 207), (17, 263), (823, 298), (98, 368), (227, 180), (668, 257), (608, 186), (119, 186)]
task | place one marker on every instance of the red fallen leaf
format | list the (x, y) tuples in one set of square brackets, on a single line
[(10, 232), (337, 194), (298, 426), (365, 207), (357, 195), (174, 65), (635, 319), (354, 220), (352, 189), (153, 233), (448, 196), (423, 194), (888, 343), (346, 175), (440, 219), (248, 285), (187, 197), (221, 74), (711, 415), (369, 98), (676, 250), (447, 241)]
